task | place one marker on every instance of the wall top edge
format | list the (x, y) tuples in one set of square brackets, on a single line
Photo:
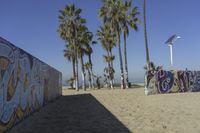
[(2, 40)]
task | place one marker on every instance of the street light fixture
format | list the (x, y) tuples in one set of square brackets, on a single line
[(170, 43)]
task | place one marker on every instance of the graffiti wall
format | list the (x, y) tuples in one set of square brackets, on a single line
[(171, 81), (26, 84)]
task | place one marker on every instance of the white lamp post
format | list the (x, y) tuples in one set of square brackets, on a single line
[(171, 55), (170, 43)]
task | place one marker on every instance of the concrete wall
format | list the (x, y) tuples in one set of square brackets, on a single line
[(171, 81), (26, 84)]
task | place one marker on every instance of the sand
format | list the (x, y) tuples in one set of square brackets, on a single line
[(116, 111)]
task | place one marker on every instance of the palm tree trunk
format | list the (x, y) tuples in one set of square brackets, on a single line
[(76, 75), (145, 37), (121, 61), (110, 74), (74, 71), (89, 78), (113, 80), (91, 72), (83, 73), (92, 78), (76, 66), (126, 63)]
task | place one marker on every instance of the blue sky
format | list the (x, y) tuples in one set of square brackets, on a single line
[(32, 25)]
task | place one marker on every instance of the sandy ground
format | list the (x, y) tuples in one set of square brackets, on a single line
[(116, 111)]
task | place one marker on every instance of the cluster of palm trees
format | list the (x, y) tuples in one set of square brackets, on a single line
[(78, 38), (118, 17)]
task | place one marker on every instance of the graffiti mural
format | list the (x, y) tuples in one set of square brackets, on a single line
[(162, 81), (26, 84), (165, 80)]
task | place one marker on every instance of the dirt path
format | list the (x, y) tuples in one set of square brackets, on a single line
[(116, 111)]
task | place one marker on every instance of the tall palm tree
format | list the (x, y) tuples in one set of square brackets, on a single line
[(88, 50), (81, 51), (129, 20), (145, 37), (108, 41), (85, 40), (69, 51), (88, 68), (112, 12), (83, 71), (70, 20), (69, 55)]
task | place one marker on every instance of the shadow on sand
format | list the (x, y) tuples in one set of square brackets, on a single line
[(72, 114)]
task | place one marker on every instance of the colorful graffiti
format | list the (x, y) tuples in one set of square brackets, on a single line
[(26, 84), (171, 81)]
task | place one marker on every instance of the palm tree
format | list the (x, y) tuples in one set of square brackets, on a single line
[(83, 71), (88, 68), (129, 20), (108, 41), (85, 40), (112, 12), (81, 51), (70, 20), (145, 36), (89, 54), (88, 50), (69, 55), (109, 70), (69, 51)]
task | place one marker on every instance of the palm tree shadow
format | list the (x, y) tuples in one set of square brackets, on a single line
[(72, 114)]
